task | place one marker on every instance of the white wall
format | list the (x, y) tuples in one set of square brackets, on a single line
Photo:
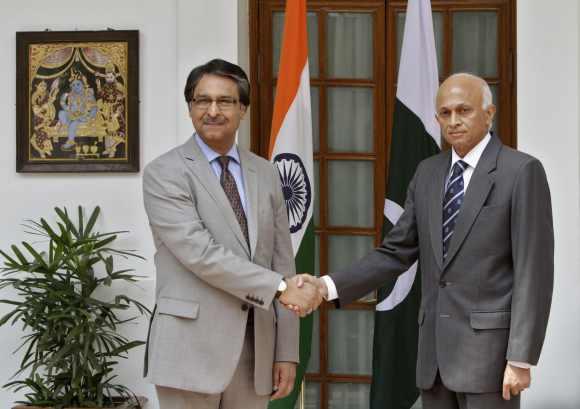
[(174, 36), (548, 128)]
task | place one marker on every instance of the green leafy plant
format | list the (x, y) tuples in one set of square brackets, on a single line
[(71, 346)]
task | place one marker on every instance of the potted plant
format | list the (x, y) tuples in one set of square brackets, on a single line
[(71, 345)]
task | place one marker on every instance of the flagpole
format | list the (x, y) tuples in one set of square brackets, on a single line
[(302, 393)]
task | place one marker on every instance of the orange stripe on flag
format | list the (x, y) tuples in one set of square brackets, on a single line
[(292, 61)]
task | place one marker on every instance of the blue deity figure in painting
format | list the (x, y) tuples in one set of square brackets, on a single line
[(78, 106)]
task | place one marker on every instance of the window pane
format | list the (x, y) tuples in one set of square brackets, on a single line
[(345, 250), (348, 395), (311, 396), (350, 119), (314, 363), (495, 94), (350, 193), (278, 31), (316, 210), (437, 30), (315, 108), (350, 45), (350, 341), (475, 42)]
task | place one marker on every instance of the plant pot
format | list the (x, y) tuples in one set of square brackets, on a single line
[(120, 405)]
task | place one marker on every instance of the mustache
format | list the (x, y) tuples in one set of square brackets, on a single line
[(213, 121)]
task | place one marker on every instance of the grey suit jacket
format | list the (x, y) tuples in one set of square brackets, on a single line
[(489, 301), (207, 277)]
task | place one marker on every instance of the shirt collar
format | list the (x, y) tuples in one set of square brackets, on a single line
[(212, 155), (473, 155)]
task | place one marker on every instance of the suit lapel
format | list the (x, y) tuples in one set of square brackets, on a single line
[(201, 168), (477, 191), (436, 210), (250, 177)]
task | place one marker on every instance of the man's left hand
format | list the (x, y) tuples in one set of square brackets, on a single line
[(515, 380), (284, 376)]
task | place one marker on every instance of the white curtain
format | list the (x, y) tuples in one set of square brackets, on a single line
[(350, 119), (475, 42), (350, 193), (350, 45)]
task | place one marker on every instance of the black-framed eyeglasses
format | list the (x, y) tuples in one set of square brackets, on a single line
[(223, 103)]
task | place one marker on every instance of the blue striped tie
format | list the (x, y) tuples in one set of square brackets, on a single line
[(452, 203)]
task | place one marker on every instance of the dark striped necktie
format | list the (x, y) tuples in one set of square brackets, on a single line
[(231, 190), (452, 203)]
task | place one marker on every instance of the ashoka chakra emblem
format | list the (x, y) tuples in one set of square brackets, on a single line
[(296, 188)]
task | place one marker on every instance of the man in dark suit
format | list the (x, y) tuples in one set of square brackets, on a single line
[(478, 217)]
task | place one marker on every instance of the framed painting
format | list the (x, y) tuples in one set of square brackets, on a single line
[(77, 101)]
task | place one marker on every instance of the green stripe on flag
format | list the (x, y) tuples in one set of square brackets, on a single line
[(410, 144), (396, 331)]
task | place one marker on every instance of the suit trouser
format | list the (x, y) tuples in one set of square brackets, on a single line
[(439, 397), (239, 394)]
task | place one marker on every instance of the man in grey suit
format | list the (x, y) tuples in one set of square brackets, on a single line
[(478, 218), (219, 337)]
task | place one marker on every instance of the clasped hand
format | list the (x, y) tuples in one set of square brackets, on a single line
[(304, 294), (515, 380)]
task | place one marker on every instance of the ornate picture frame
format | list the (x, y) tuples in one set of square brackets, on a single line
[(77, 101)]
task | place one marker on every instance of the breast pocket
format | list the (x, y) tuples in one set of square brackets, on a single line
[(493, 211)]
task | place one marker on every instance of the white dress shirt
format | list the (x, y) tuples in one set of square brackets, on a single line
[(472, 158)]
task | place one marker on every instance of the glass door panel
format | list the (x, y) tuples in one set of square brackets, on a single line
[(314, 363), (350, 119), (351, 193), (348, 396), (344, 250), (350, 341), (350, 45), (475, 42)]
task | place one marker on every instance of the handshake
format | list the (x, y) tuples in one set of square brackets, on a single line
[(304, 294)]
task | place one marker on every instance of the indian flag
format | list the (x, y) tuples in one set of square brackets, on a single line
[(291, 151), (415, 137)]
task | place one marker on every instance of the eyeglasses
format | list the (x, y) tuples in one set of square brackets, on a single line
[(223, 104)]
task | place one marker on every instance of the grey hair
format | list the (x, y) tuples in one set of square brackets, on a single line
[(486, 95)]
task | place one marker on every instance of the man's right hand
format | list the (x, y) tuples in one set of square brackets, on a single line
[(307, 278), (303, 281), (515, 380), (301, 299)]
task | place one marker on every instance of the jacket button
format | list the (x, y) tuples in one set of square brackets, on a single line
[(442, 284), (245, 307)]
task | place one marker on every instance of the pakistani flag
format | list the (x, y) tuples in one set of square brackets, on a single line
[(415, 137), (291, 151)]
